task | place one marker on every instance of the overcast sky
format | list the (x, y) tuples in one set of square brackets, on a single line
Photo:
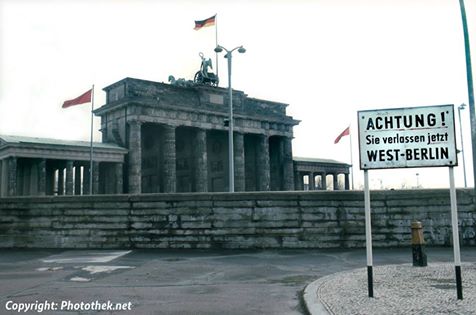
[(327, 59)]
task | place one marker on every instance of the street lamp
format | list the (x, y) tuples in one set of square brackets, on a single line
[(460, 108), (231, 164), (469, 79)]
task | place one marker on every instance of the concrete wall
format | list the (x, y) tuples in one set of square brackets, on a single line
[(242, 220)]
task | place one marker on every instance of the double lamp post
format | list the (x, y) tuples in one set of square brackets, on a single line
[(231, 164)]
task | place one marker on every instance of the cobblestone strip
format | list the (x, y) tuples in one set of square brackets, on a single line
[(398, 289)]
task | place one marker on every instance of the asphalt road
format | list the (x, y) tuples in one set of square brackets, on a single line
[(176, 282)]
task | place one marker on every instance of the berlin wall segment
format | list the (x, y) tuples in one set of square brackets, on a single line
[(240, 220)]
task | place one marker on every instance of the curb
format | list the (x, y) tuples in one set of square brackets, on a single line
[(311, 299)]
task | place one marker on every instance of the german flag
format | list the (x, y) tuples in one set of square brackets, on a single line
[(204, 23)]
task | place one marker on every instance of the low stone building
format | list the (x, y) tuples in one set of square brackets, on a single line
[(39, 166), (164, 138), (317, 172)]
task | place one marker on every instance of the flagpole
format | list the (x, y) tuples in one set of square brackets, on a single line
[(351, 159), (91, 146), (216, 45)]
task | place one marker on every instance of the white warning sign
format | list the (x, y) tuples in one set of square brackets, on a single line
[(407, 137)]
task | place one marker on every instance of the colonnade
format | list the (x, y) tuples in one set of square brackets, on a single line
[(312, 183), (204, 161), (21, 176)]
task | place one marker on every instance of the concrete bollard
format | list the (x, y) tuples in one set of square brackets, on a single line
[(418, 245)]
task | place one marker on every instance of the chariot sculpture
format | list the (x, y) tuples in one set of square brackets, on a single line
[(203, 76)]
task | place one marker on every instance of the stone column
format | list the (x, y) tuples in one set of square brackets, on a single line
[(86, 182), (50, 182), (42, 177), (12, 176), (288, 167), (69, 178), (34, 179), (324, 181), (312, 181), (170, 167), (77, 180), (336, 184), (119, 178), (264, 176), (201, 158), (239, 159), (135, 157), (61, 180), (297, 181), (4, 178), (95, 178), (347, 186), (1, 178)]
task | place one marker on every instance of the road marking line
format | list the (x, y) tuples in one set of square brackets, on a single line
[(98, 269), (75, 257)]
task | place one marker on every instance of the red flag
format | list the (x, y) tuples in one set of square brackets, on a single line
[(204, 23), (84, 98), (346, 132)]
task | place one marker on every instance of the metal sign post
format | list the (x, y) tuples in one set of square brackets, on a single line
[(404, 138), (368, 234), (454, 224)]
